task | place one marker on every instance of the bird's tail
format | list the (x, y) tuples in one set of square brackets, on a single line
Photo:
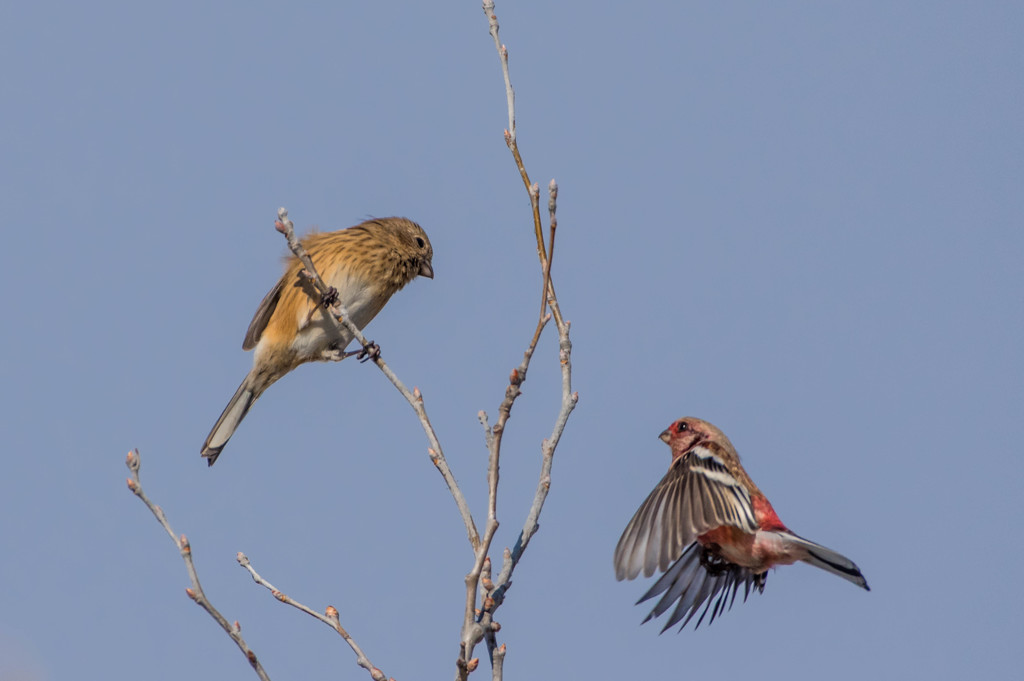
[(831, 561), (232, 415)]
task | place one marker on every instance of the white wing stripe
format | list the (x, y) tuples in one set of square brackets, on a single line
[(720, 477)]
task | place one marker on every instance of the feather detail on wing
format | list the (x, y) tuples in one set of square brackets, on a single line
[(696, 495), (262, 316), (697, 578)]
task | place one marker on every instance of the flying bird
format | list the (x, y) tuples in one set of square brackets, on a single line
[(710, 530), (366, 265)]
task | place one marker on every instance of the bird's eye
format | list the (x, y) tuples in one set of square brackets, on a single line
[(682, 427), (419, 241)]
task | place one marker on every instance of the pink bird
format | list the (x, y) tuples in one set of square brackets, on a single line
[(709, 528)]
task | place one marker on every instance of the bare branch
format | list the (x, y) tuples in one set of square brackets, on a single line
[(553, 222), (339, 315), (510, 94), (498, 662), (510, 140), (531, 525), (330, 618), (479, 624), (195, 592), (482, 417)]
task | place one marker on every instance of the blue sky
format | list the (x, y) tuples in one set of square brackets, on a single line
[(802, 222)]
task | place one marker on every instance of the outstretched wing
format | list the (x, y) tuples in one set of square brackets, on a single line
[(693, 581), (696, 495)]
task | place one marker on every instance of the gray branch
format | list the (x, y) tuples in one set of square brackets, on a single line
[(478, 623), (195, 592), (330, 617)]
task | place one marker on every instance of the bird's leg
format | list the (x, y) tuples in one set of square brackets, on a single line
[(712, 561), (370, 351), (334, 353)]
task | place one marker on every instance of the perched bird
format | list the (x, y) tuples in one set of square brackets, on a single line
[(710, 530), (365, 264)]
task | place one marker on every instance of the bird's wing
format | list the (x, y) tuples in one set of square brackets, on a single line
[(692, 584), (263, 314), (696, 495)]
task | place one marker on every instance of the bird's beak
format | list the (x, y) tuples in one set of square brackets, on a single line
[(665, 434), (426, 270)]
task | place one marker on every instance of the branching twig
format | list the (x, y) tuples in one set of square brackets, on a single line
[(415, 398), (330, 618), (195, 592), (496, 595), (510, 139), (479, 624)]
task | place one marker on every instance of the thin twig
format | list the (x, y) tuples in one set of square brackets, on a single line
[(498, 662), (548, 446), (472, 628), (195, 592), (510, 140), (330, 618), (510, 94), (553, 222), (339, 315)]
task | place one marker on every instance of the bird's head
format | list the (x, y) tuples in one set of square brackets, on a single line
[(687, 432), (409, 246)]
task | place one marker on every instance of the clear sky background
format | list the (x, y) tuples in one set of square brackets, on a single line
[(803, 222)]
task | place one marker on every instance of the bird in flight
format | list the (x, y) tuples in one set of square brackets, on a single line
[(710, 529)]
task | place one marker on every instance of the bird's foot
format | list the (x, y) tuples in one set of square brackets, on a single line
[(333, 354), (370, 351), (329, 298), (759, 581)]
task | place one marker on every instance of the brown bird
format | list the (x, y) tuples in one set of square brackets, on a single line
[(365, 264), (711, 530)]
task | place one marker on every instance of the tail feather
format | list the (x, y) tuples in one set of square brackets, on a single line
[(831, 561), (229, 419)]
